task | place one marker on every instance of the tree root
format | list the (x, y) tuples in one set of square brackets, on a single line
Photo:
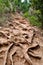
[(27, 58), (11, 59), (12, 55), (26, 55), (2, 50), (28, 52), (7, 53), (34, 46), (1, 56), (3, 34), (31, 53), (33, 36), (6, 56)]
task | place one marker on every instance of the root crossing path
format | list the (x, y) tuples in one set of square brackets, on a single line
[(20, 43)]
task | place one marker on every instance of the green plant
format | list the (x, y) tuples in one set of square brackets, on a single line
[(26, 14), (38, 5), (34, 21), (2, 6)]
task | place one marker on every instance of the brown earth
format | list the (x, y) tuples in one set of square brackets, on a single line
[(20, 43)]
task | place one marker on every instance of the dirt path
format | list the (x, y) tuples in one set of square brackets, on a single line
[(20, 43)]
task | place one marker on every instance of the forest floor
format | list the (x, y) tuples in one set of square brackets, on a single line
[(20, 42)]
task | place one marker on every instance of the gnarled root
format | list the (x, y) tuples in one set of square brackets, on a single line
[(13, 54), (34, 46), (31, 53), (27, 58), (6, 56), (3, 34)]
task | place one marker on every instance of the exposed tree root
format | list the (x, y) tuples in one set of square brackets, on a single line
[(3, 34), (26, 56), (1, 56), (31, 53), (34, 46), (6, 56), (18, 39), (13, 54)]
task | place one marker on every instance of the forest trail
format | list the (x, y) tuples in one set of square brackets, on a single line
[(20, 43)]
